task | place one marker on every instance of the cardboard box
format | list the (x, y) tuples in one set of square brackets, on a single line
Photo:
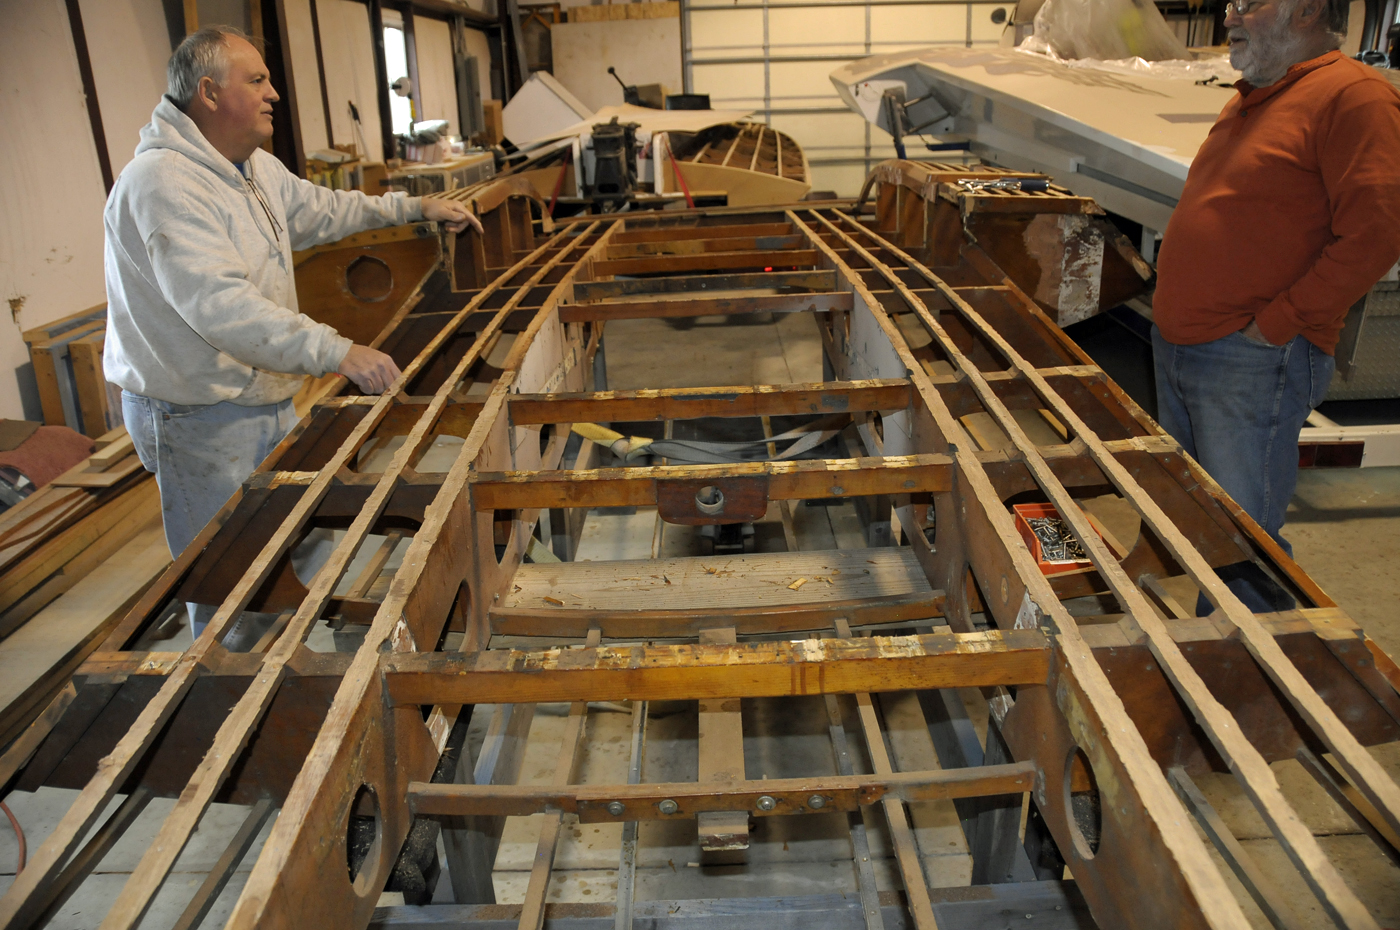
[(374, 177)]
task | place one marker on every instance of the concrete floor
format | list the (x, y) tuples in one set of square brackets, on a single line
[(1343, 525)]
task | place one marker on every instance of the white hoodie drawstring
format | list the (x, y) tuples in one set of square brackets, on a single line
[(276, 227)]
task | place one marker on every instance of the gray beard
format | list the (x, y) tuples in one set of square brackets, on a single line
[(1269, 54)]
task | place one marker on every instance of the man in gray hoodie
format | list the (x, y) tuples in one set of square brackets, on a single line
[(203, 333)]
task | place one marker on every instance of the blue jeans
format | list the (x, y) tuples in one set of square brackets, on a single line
[(1237, 407), (201, 455)]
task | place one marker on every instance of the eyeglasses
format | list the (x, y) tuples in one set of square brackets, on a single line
[(1243, 7)]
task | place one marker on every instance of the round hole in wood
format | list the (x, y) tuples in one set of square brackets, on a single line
[(710, 500), (1082, 806), (369, 278), (364, 841), (999, 15)]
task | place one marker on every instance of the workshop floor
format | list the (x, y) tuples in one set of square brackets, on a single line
[(1343, 524)]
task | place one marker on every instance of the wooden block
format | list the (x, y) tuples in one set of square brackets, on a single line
[(103, 479), (46, 374), (495, 120), (373, 174), (89, 383), (111, 453), (109, 437)]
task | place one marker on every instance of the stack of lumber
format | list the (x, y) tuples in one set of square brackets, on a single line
[(73, 556), (67, 357)]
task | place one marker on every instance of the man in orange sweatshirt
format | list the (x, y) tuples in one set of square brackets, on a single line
[(1290, 214)]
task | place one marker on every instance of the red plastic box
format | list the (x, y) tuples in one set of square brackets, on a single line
[(1026, 511)]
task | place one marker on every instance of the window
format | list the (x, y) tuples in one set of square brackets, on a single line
[(396, 64)]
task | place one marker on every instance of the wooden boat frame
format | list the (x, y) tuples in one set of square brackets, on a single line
[(1118, 714)]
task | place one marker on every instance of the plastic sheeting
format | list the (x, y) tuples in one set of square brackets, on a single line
[(1122, 36), (1106, 30), (1214, 70)]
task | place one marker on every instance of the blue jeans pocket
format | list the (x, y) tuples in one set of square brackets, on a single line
[(139, 419), (171, 411)]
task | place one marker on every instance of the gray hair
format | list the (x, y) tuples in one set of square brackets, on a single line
[(202, 54), (1336, 15)]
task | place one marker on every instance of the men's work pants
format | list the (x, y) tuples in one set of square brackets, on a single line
[(1237, 407), (201, 455)]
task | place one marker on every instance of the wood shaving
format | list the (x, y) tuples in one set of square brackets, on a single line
[(797, 584), (554, 600), (665, 579)]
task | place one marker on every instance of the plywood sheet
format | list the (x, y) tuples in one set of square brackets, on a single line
[(644, 51), (746, 188), (437, 77), (349, 59), (721, 581), (311, 110)]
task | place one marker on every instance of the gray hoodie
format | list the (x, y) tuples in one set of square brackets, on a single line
[(201, 307)]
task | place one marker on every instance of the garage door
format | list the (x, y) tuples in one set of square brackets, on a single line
[(776, 58)]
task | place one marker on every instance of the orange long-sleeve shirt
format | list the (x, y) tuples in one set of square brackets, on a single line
[(1291, 210)]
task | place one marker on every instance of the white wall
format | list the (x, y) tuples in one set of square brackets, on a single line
[(644, 51), (51, 192), (437, 76), (301, 41), (129, 45), (348, 54)]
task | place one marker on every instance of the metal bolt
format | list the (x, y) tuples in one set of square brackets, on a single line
[(616, 808), (816, 802), (766, 803), (668, 806)]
